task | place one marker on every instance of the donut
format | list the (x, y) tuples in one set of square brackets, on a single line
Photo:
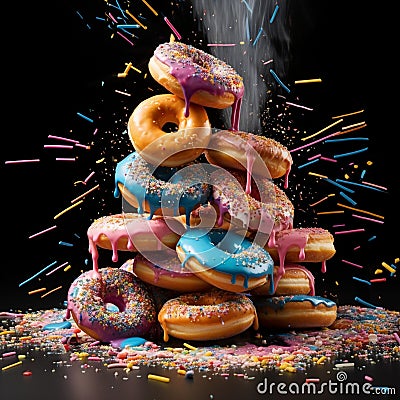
[(164, 269), (161, 190), (131, 232), (170, 149), (251, 153), (224, 259), (301, 245), (297, 279), (112, 305), (266, 209), (210, 315), (197, 77), (295, 312)]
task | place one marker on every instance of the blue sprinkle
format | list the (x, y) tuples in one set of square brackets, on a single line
[(258, 36), (371, 238), (349, 199), (84, 117), (338, 185), (112, 307), (309, 163), (273, 73), (362, 280), (61, 243), (57, 325), (132, 342), (189, 374), (350, 154), (365, 303), (274, 14)]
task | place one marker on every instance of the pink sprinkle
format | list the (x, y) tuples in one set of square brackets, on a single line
[(220, 44), (368, 219), (116, 365), (312, 380), (396, 336), (172, 28), (313, 157), (82, 145), (89, 176), (354, 265), (94, 343), (94, 358), (299, 106), (351, 231), (58, 146), (95, 131), (62, 138), (22, 161), (368, 378), (315, 141), (357, 247), (65, 159), (11, 353), (328, 159), (372, 184), (378, 280), (120, 34), (39, 233)]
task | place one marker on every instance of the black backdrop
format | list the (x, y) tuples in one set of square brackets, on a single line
[(64, 61)]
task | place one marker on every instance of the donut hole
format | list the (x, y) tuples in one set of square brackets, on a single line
[(169, 127), (114, 303)]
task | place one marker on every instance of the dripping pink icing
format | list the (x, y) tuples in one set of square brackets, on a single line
[(285, 239), (124, 226), (197, 70)]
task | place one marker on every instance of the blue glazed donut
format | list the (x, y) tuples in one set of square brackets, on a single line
[(225, 259), (158, 189)]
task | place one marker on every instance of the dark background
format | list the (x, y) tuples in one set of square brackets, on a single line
[(63, 62)]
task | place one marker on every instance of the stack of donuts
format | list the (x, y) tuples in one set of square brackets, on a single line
[(213, 243)]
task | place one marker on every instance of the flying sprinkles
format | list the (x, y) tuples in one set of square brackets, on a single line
[(330, 185)]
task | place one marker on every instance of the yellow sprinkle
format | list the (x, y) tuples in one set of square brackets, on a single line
[(241, 42), (353, 125), (319, 175), (25, 338), (336, 283), (190, 347), (369, 162), (136, 20), (158, 378), (137, 70), (171, 38), (100, 161), (150, 7), (289, 358), (6, 332), (346, 176), (388, 267), (355, 166), (378, 271), (331, 212), (83, 354), (128, 67), (43, 289), (396, 260), (181, 372), (67, 209), (323, 130), (308, 80), (67, 268), (321, 359), (50, 291), (122, 75), (254, 358), (84, 194), (291, 369), (21, 357), (346, 115), (11, 365), (208, 353), (357, 209), (284, 365)]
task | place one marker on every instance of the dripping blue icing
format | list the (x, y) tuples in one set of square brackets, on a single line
[(227, 252), (162, 187), (277, 303)]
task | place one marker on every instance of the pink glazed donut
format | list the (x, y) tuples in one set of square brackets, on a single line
[(111, 304)]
